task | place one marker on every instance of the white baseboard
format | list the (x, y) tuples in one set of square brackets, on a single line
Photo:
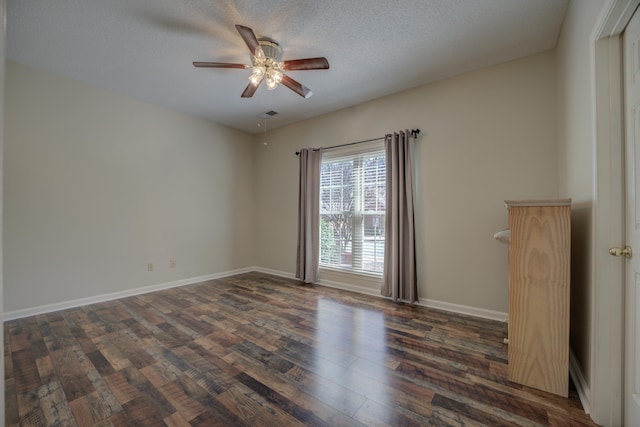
[(575, 372), (278, 273), (464, 309), (440, 305), (48, 308)]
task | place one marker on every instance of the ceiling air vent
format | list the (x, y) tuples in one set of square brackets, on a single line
[(267, 114)]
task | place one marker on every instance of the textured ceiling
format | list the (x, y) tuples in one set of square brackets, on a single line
[(144, 48)]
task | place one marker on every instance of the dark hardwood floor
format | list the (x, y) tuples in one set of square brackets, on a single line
[(258, 350)]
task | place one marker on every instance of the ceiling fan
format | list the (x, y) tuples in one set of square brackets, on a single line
[(266, 65)]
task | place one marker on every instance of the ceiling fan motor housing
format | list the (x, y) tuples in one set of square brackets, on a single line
[(270, 48)]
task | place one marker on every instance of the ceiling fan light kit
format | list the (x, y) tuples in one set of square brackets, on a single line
[(266, 64)]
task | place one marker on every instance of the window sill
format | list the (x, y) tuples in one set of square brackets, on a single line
[(371, 281), (371, 274)]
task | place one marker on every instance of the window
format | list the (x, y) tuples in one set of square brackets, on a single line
[(352, 210)]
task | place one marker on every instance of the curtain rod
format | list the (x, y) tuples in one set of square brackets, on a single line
[(414, 133)]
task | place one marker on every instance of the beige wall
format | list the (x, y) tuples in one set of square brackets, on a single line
[(487, 136), (576, 139), (97, 185)]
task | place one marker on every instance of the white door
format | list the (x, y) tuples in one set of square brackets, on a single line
[(632, 280)]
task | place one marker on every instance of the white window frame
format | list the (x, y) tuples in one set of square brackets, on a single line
[(371, 148)]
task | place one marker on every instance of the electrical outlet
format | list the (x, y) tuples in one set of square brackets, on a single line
[(172, 263), (150, 267)]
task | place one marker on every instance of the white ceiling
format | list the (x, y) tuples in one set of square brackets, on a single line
[(144, 48)]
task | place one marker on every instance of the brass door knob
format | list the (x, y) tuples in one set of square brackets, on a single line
[(625, 252)]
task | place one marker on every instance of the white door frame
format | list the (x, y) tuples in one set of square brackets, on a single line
[(605, 395)]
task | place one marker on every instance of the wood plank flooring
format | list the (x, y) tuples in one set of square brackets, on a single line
[(258, 350)]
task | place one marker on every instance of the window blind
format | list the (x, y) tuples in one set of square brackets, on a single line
[(352, 211)]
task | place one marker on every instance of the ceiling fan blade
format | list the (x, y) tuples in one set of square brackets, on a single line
[(250, 90), (219, 65), (307, 64), (301, 90), (249, 38)]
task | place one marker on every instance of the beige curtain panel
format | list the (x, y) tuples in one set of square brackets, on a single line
[(308, 215), (399, 276)]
